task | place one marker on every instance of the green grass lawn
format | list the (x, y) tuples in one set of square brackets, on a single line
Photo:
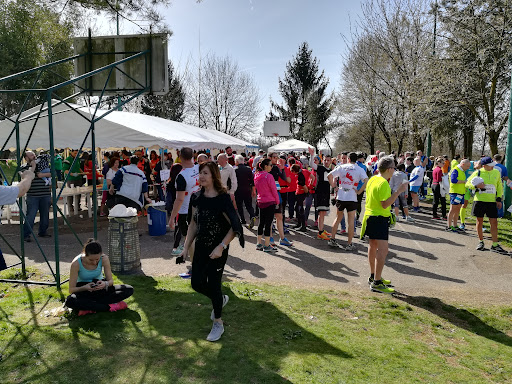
[(274, 334), (8, 169)]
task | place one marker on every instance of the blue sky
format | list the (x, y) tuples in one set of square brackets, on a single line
[(262, 35)]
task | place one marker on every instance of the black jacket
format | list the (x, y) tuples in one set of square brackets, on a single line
[(245, 179)]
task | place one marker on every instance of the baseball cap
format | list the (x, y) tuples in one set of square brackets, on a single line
[(487, 161)]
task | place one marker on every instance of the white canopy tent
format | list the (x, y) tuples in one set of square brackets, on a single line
[(117, 129), (290, 145)]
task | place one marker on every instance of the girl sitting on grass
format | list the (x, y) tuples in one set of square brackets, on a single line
[(91, 291)]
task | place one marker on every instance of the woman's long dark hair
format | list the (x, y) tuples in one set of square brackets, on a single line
[(214, 170), (262, 164), (175, 171)]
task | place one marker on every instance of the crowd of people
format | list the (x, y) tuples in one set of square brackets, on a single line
[(206, 198)]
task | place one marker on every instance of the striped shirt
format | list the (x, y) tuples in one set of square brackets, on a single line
[(39, 188)]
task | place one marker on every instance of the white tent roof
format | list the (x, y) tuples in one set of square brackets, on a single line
[(290, 145), (115, 130)]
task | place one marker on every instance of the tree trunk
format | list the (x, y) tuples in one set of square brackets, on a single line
[(468, 141), (469, 133), (418, 140), (400, 146), (452, 146), (493, 142)]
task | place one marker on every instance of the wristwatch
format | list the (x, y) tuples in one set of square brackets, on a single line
[(223, 245)]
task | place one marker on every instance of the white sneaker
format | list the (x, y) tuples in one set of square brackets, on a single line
[(409, 218), (225, 299), (216, 332)]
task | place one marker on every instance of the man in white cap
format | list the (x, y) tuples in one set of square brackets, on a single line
[(489, 189)]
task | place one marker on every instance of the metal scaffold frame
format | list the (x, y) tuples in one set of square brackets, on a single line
[(48, 96)]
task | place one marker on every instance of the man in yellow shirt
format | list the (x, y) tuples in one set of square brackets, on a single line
[(455, 161), (457, 194), (376, 221), (489, 189)]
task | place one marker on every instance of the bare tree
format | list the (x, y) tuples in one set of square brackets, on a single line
[(223, 97), (397, 32), (476, 62)]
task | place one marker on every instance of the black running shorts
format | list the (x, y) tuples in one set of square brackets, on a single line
[(377, 228), (348, 205), (484, 208), (322, 202)]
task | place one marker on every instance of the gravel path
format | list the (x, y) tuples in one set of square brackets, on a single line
[(423, 260)]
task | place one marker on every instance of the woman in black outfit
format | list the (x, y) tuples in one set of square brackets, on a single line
[(213, 224)]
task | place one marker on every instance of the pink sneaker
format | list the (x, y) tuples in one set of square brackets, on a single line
[(118, 306), (83, 312)]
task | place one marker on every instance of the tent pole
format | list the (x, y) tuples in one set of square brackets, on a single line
[(54, 191), (22, 217), (94, 182)]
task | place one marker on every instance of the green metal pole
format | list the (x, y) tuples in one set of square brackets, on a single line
[(508, 191), (22, 234), (94, 181), (119, 107), (54, 191)]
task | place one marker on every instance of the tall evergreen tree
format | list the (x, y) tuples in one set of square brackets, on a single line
[(170, 106), (305, 103)]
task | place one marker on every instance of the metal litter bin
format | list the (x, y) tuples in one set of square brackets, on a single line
[(124, 245)]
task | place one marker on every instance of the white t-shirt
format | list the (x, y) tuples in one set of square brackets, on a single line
[(187, 181), (420, 171), (110, 174), (349, 176)]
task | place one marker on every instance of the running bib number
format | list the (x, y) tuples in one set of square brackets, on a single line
[(490, 189), (278, 186)]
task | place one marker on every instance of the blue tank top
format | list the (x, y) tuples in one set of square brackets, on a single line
[(87, 275)]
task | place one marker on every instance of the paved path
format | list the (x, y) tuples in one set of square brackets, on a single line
[(423, 260)]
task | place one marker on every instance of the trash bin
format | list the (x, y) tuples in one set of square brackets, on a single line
[(157, 219), (123, 245)]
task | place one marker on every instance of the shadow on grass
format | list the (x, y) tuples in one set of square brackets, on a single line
[(457, 316), (161, 338)]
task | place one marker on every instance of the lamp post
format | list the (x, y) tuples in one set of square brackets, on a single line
[(508, 153), (429, 135)]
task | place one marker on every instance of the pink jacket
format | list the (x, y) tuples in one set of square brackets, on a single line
[(266, 188)]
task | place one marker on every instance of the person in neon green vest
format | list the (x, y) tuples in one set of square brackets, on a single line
[(457, 192), (376, 222), (489, 189)]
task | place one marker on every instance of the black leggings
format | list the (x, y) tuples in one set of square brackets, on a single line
[(207, 277), (266, 218), (98, 300), (180, 229), (299, 208), (244, 197), (359, 204), (438, 199), (291, 204)]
